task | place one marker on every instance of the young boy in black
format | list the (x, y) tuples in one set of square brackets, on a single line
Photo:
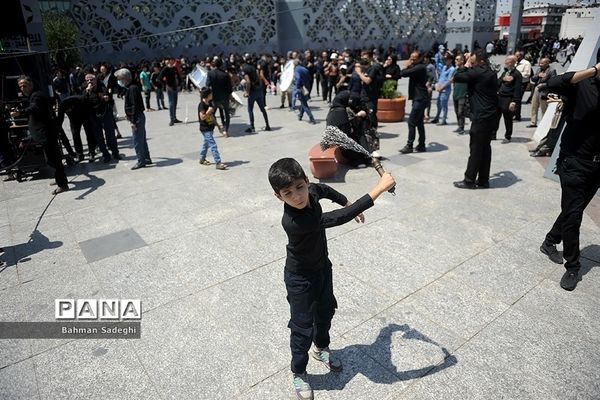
[(206, 117), (307, 275)]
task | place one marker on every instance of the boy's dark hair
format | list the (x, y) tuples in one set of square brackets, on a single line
[(205, 92), (284, 172)]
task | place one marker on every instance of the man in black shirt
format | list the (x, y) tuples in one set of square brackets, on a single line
[(134, 110), (308, 275), (509, 96), (371, 79), (416, 71), (578, 165), (171, 78), (483, 94), (43, 128), (220, 83)]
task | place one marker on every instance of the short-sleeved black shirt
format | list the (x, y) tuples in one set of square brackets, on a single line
[(207, 124)]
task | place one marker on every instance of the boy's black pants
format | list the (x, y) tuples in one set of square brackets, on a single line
[(312, 306)]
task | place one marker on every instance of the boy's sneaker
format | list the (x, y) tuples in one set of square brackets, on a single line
[(302, 387), (325, 356)]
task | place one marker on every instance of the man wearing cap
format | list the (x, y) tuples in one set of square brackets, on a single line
[(331, 73)]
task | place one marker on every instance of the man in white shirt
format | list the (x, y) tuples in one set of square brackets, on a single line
[(524, 67), (489, 48)]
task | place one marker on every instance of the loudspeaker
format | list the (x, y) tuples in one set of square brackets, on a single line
[(12, 22)]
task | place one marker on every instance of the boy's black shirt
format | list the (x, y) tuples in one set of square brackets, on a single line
[(307, 242), (207, 124)]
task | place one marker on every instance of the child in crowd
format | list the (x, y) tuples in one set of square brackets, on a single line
[(206, 114), (308, 275)]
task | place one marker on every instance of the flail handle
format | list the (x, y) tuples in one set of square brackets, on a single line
[(379, 168)]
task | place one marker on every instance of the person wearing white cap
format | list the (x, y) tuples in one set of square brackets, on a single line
[(331, 73)]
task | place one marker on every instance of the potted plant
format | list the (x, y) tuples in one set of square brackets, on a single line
[(391, 104)]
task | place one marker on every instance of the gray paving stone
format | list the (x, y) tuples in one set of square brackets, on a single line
[(550, 302), (111, 244), (215, 326), (18, 381), (139, 274), (383, 267), (498, 273), (12, 350), (456, 307), (93, 369), (542, 350), (403, 160)]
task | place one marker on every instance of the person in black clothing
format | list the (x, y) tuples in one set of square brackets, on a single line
[(416, 71), (347, 113), (170, 76), (254, 93), (158, 88), (206, 117), (509, 96), (392, 69), (134, 110), (101, 103), (43, 128), (578, 165), (78, 112), (371, 78), (483, 95), (307, 274), (220, 83)]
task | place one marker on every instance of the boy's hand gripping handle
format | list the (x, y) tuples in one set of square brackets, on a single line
[(379, 168)]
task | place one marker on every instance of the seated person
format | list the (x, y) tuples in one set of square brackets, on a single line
[(348, 114)]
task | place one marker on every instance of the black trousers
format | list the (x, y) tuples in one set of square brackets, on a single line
[(53, 154), (480, 156), (76, 124), (312, 306), (579, 182), (224, 112), (459, 108), (503, 111), (415, 122), (324, 86)]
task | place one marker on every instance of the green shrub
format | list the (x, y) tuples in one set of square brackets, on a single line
[(388, 90)]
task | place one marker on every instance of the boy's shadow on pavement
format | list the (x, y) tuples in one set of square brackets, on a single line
[(352, 356)]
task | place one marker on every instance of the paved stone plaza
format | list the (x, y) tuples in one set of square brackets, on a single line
[(443, 293)]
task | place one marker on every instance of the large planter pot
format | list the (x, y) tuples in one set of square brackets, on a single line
[(391, 110)]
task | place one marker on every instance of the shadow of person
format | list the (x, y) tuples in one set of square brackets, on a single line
[(167, 162), (37, 243), (434, 147), (90, 185), (379, 354), (590, 258), (503, 179), (387, 135), (235, 163), (520, 139)]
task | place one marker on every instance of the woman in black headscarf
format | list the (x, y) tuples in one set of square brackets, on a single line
[(391, 69), (346, 113)]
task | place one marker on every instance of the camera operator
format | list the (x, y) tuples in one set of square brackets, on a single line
[(43, 128)]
